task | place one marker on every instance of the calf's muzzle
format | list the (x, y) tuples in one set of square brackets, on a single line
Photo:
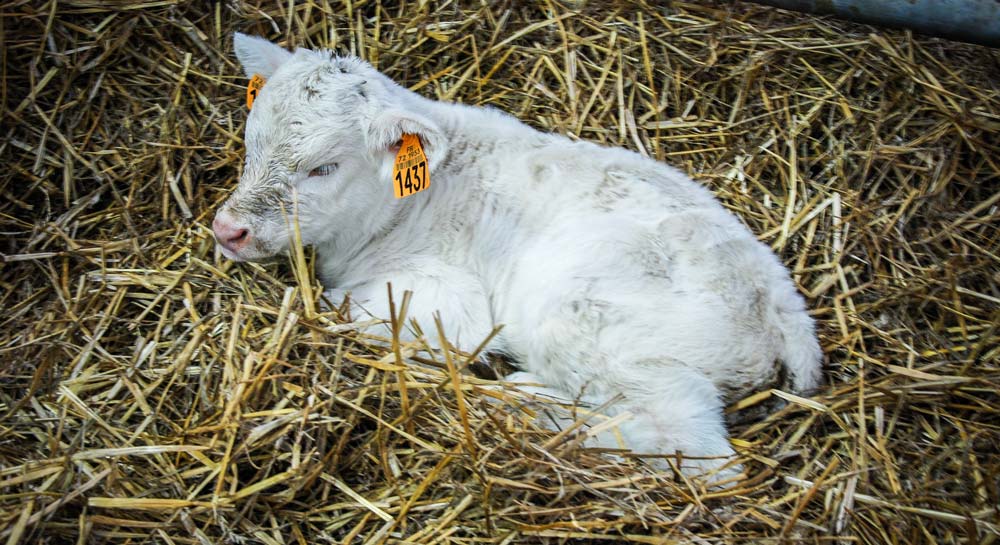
[(230, 233)]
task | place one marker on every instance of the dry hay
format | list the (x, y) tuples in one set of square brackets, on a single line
[(155, 393)]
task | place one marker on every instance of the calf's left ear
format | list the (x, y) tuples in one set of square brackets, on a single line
[(259, 56), (387, 129)]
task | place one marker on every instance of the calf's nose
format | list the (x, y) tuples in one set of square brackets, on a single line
[(230, 235)]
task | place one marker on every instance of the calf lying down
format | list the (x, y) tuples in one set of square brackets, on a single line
[(616, 278)]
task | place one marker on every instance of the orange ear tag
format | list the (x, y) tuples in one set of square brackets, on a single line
[(253, 89), (409, 172)]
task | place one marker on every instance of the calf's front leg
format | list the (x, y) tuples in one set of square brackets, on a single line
[(457, 297)]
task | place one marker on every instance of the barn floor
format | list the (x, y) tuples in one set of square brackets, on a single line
[(154, 392)]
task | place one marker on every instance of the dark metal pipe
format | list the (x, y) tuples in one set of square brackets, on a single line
[(975, 21)]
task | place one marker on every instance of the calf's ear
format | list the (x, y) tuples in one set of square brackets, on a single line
[(258, 56), (387, 129)]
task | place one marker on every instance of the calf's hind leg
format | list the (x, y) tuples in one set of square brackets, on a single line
[(678, 412)]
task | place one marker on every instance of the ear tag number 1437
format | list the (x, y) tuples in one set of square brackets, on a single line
[(409, 171)]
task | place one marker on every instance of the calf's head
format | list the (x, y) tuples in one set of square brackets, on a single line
[(320, 142)]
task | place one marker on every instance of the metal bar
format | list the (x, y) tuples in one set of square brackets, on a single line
[(974, 21)]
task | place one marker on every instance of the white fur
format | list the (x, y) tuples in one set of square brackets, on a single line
[(616, 277)]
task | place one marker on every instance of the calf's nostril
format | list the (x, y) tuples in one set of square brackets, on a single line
[(230, 236)]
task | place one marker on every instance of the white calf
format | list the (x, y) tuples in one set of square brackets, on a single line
[(615, 276)]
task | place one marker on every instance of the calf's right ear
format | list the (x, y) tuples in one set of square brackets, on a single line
[(385, 131), (258, 56)]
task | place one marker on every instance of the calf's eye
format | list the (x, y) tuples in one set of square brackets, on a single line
[(324, 170)]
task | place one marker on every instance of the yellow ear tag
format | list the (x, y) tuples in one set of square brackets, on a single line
[(253, 89), (409, 172)]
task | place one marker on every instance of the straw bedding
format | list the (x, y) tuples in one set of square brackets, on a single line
[(153, 392)]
